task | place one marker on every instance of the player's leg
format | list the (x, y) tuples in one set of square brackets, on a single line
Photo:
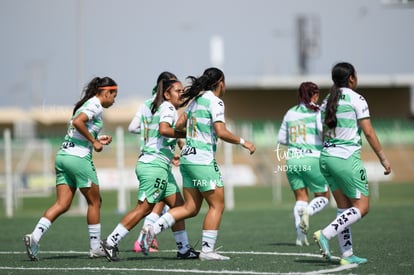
[(64, 196), (129, 221), (351, 194), (153, 179), (300, 216), (213, 193), (297, 185), (157, 211), (185, 251), (67, 170), (318, 185), (93, 199), (191, 207)]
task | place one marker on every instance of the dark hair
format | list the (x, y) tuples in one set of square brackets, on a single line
[(92, 89), (208, 81), (306, 91), (341, 73), (163, 76), (163, 86)]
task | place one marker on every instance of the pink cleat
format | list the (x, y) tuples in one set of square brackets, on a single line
[(153, 248), (137, 247)]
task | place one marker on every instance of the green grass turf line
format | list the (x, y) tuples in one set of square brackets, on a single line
[(258, 236)]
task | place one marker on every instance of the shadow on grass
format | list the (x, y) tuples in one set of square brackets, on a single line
[(282, 244), (63, 257), (149, 258), (318, 262)]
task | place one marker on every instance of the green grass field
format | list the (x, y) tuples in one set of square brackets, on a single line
[(258, 236)]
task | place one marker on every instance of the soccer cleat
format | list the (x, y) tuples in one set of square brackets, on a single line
[(352, 260), (153, 248), (111, 252), (212, 256), (96, 253), (323, 244), (304, 220), (32, 247), (137, 247), (154, 245), (145, 238), (302, 241), (190, 254)]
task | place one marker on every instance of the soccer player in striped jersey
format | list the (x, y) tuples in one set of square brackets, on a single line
[(204, 123), (134, 127), (158, 141), (299, 132), (345, 114), (74, 166)]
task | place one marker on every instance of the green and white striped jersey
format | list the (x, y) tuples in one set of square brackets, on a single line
[(299, 132), (345, 139), (201, 139), (153, 144), (75, 143)]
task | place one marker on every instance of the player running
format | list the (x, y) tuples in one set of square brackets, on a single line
[(299, 132), (75, 168), (153, 169), (204, 123)]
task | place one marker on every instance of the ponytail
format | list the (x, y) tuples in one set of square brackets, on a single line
[(341, 73), (306, 91), (332, 106), (208, 81), (92, 89)]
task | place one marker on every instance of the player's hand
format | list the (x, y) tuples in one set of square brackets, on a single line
[(249, 146), (176, 160), (97, 146), (387, 166), (105, 139)]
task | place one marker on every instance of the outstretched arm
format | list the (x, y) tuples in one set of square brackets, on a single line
[(224, 134)]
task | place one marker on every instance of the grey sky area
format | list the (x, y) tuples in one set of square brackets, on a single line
[(50, 49)]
